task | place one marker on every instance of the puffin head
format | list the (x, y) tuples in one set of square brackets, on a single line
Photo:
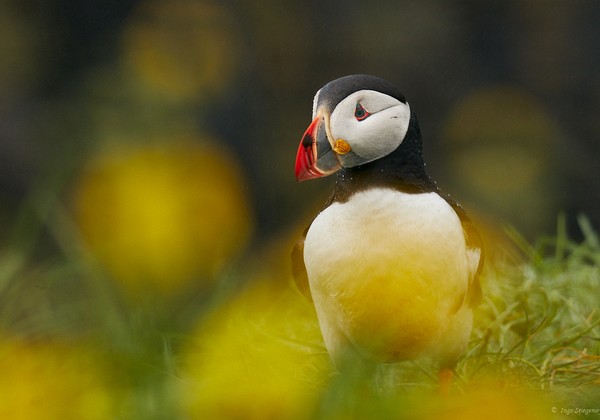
[(356, 119)]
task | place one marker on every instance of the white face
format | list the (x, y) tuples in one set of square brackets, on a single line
[(372, 135)]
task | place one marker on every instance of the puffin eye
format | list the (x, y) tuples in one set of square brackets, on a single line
[(360, 113)]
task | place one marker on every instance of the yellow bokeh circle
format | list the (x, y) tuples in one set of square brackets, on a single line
[(50, 379), (160, 218), (259, 356), (182, 49)]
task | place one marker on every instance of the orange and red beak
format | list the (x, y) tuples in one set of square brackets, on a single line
[(315, 158)]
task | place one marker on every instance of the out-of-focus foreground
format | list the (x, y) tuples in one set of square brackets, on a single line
[(148, 205)]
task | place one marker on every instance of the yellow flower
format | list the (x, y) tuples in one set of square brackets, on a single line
[(54, 380), (502, 148), (489, 400), (259, 356), (182, 49), (163, 218)]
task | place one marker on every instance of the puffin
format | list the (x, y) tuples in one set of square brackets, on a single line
[(391, 263)]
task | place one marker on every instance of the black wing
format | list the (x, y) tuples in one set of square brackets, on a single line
[(474, 244), (298, 267)]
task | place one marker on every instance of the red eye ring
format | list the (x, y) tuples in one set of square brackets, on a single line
[(360, 113)]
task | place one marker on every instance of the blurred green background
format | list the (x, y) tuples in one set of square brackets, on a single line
[(147, 152)]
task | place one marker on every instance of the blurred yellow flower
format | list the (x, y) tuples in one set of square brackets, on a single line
[(505, 137), (160, 217), (489, 400), (503, 152), (260, 356), (182, 49), (54, 380)]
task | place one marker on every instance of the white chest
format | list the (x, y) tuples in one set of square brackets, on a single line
[(381, 228), (386, 264)]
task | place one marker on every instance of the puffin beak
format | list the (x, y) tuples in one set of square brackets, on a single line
[(315, 158)]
